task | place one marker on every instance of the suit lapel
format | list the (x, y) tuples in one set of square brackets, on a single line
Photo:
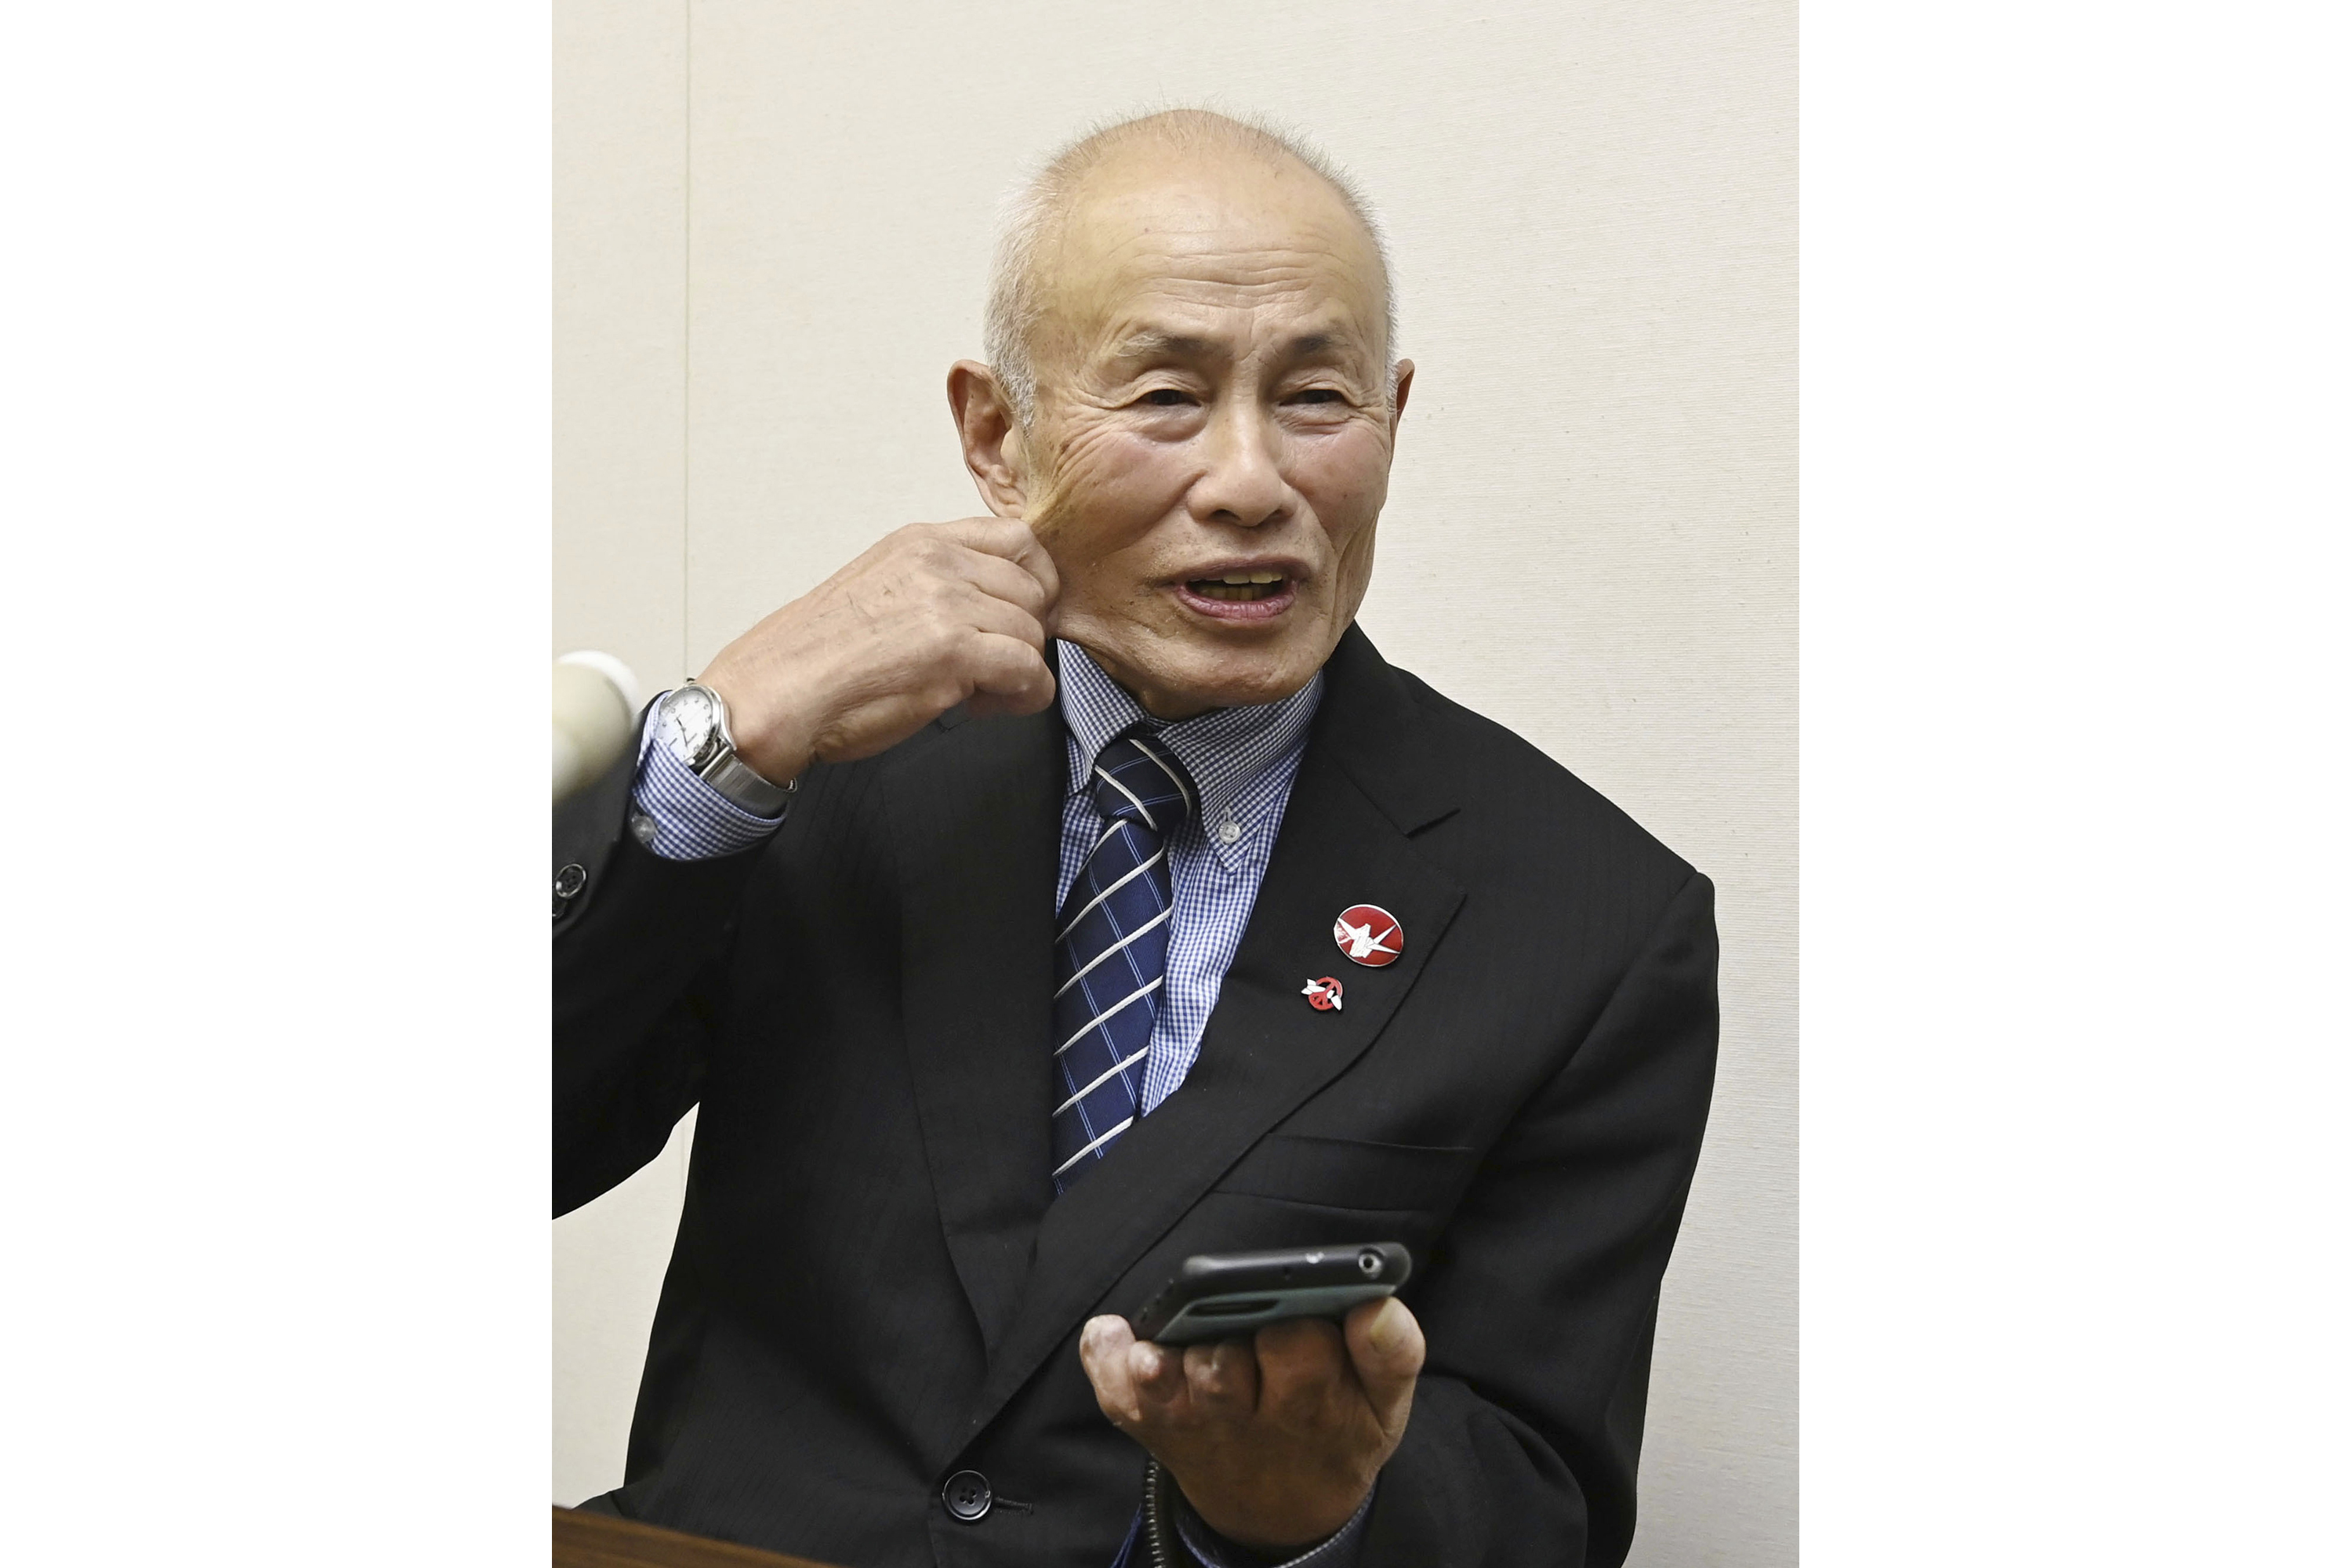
[(1265, 1050), (976, 816)]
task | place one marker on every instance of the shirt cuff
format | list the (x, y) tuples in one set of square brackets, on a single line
[(679, 817), (1211, 1550)]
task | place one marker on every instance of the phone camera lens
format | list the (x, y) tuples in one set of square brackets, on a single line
[(1369, 1261)]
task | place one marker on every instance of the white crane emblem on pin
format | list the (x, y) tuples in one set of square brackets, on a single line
[(1368, 934)]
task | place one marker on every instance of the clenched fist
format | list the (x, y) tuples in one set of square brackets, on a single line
[(934, 615)]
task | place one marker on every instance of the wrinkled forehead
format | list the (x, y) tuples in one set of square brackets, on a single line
[(1234, 248)]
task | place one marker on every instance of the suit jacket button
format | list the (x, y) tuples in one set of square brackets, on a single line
[(568, 883), (967, 1496)]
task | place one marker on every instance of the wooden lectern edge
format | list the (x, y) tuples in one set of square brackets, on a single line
[(603, 1541)]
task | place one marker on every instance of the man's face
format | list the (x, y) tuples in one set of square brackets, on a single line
[(1213, 427)]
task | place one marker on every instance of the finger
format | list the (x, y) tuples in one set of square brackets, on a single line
[(1039, 564), (1385, 1342), (998, 578), (1304, 1371), (1007, 676), (1222, 1378), (991, 614), (1027, 550), (1158, 1375), (964, 608), (1007, 537), (1103, 1346)]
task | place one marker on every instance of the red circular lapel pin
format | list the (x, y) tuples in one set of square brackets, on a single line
[(1323, 994), (1368, 934)]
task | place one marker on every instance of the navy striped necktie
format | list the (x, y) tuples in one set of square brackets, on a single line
[(1110, 955)]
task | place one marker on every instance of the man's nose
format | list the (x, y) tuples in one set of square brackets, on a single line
[(1243, 482)]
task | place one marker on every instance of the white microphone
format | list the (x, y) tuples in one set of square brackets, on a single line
[(595, 717)]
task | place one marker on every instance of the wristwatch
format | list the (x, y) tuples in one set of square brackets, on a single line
[(692, 721)]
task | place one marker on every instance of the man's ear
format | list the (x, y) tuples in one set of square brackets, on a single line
[(992, 447), (1403, 390)]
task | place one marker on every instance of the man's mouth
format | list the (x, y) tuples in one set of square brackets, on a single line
[(1245, 596), (1239, 587)]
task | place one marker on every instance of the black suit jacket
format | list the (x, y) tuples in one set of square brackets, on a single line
[(872, 1286)]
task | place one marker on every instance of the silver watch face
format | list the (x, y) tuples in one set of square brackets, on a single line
[(689, 724)]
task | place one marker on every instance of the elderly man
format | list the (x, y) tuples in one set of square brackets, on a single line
[(1049, 897)]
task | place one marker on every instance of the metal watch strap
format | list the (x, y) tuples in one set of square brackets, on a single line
[(727, 774)]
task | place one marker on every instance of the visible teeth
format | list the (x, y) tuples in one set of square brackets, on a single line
[(1239, 587)]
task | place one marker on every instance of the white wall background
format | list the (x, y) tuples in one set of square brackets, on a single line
[(773, 225)]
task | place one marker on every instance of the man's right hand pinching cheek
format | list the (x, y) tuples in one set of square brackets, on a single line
[(935, 615)]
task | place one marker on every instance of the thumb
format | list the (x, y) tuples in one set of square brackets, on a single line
[(1103, 1349), (1044, 522), (1384, 1341)]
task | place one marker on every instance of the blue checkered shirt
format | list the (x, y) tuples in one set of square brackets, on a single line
[(1242, 760)]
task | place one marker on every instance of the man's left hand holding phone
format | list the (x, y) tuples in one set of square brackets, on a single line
[(1274, 1439)]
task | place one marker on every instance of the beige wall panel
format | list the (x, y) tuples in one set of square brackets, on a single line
[(607, 1275), (620, 330), (1592, 531), (620, 577)]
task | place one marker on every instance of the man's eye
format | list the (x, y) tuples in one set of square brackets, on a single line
[(1316, 395), (1167, 397)]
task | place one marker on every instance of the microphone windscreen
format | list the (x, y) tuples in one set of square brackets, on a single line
[(595, 709)]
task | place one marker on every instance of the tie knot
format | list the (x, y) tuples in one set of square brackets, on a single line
[(1136, 780)]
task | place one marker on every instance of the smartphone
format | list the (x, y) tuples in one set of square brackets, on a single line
[(1227, 1295)]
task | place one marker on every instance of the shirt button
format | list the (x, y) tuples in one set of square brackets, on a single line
[(642, 827), (1228, 831), (967, 1496)]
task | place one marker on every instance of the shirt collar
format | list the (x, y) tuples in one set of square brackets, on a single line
[(1224, 750)]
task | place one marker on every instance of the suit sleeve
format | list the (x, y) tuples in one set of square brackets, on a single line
[(1540, 1301), (641, 949), (1343, 1549)]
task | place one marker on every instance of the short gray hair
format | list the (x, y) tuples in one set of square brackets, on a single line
[(1014, 300)]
